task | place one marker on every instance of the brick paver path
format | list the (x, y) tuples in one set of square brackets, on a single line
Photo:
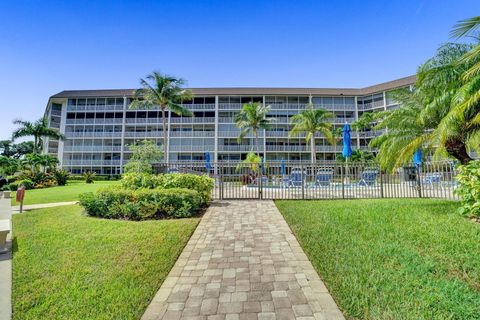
[(243, 262)]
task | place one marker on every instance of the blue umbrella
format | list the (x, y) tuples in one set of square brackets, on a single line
[(347, 145), (208, 165), (282, 170), (417, 158)]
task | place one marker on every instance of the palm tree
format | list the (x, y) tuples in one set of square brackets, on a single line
[(39, 130), (311, 121), (165, 92), (253, 117), (406, 131), (428, 116)]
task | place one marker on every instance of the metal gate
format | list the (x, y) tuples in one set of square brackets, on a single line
[(323, 180)]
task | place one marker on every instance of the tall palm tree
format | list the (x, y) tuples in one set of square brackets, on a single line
[(253, 117), (38, 130), (406, 131), (165, 92), (425, 118), (311, 121)]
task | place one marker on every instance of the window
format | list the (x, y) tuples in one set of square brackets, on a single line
[(199, 100), (100, 101)]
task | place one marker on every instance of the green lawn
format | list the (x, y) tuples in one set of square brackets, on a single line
[(69, 192), (392, 259), (70, 266)]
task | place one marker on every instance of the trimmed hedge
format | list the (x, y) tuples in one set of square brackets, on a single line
[(141, 204), (26, 182), (202, 184)]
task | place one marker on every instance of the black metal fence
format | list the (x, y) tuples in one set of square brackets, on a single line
[(322, 180)]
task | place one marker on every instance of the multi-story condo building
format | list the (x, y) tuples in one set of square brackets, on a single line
[(99, 126)]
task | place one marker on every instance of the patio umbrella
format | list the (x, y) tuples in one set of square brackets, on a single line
[(208, 165), (282, 169), (417, 158), (347, 144)]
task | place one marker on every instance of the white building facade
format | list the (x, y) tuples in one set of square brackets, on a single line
[(99, 126)]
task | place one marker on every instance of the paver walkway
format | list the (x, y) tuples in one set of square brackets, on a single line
[(28, 207), (243, 262)]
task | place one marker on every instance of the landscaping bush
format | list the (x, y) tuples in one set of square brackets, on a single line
[(202, 184), (78, 177), (26, 182), (61, 176), (468, 189), (141, 204), (89, 176)]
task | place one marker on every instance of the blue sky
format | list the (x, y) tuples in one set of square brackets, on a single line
[(49, 46)]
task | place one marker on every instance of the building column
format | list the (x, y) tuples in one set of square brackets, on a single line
[(356, 118), (63, 122), (167, 147), (264, 137), (215, 141), (122, 147)]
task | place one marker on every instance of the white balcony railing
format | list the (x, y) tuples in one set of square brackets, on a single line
[(92, 162), (92, 148), (93, 134)]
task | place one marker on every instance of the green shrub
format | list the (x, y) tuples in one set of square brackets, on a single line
[(61, 176), (79, 177), (141, 204), (26, 182), (468, 189), (202, 184), (89, 176)]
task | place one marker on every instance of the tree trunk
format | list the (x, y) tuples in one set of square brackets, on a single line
[(256, 143), (35, 147), (165, 136), (457, 149), (312, 146)]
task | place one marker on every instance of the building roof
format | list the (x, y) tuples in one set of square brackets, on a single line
[(250, 91)]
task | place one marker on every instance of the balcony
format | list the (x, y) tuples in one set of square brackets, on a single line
[(92, 163), (93, 121), (230, 106), (235, 148), (93, 134), (371, 105), (332, 107), (199, 106), (95, 108), (193, 134), (192, 148), (92, 148), (193, 120)]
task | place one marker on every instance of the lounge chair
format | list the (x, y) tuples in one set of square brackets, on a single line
[(323, 178), (369, 178), (296, 179), (433, 179)]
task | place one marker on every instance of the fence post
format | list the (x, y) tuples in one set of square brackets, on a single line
[(220, 181), (303, 183), (419, 183), (343, 182), (381, 184), (260, 176)]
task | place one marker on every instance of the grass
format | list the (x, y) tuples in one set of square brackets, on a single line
[(392, 259), (65, 193), (70, 266)]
